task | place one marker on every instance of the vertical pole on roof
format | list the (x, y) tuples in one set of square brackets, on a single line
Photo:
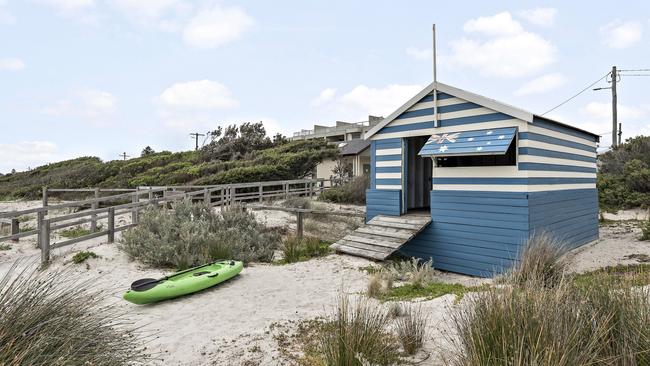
[(614, 107), (435, 81)]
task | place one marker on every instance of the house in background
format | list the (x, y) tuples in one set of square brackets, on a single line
[(348, 136), (469, 186)]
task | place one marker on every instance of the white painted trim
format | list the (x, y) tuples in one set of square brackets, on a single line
[(548, 160), (441, 103), (555, 174), (559, 135), (443, 116), (388, 186), (382, 152), (388, 163), (389, 175), (560, 148), (511, 187), (460, 128)]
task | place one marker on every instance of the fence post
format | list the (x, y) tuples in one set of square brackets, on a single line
[(299, 224), (150, 193), (223, 197), (286, 190), (207, 197), (93, 217), (15, 228), (261, 192), (233, 195), (111, 224), (45, 198), (40, 215), (134, 211), (45, 242)]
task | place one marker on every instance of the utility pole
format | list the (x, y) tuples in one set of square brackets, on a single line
[(196, 135), (614, 111), (616, 135), (123, 155), (435, 80)]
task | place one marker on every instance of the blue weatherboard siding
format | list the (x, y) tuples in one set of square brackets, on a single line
[(493, 141), (383, 202), (482, 233), (555, 154), (555, 141), (373, 168), (554, 126), (530, 181), (555, 167)]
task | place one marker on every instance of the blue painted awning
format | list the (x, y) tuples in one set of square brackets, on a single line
[(493, 141)]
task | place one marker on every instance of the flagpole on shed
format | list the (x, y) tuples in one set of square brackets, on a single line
[(435, 81)]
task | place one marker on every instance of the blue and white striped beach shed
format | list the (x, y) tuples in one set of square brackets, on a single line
[(489, 174)]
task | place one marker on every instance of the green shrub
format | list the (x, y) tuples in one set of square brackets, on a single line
[(540, 261), (645, 230), (44, 320), (357, 336), (295, 250), (560, 325), (297, 202), (353, 192), (192, 234), (4, 246), (414, 271), (411, 329), (75, 232), (83, 256)]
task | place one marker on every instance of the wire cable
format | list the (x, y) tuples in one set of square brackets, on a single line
[(635, 70), (580, 92)]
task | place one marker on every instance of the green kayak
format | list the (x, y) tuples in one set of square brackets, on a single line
[(148, 290)]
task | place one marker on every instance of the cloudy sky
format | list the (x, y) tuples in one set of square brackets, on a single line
[(102, 77)]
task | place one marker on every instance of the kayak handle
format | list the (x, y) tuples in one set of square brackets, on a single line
[(212, 275)]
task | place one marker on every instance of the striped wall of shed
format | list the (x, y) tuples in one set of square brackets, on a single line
[(383, 202), (569, 215), (473, 232), (387, 164)]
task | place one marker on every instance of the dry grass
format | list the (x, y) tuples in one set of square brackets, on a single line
[(411, 329), (540, 261), (379, 284), (50, 319)]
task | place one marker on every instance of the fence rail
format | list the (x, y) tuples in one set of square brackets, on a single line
[(48, 221)]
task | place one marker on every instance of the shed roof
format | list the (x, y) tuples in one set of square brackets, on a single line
[(354, 147), (472, 97)]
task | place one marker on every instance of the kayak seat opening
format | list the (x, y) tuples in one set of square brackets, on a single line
[(197, 274)]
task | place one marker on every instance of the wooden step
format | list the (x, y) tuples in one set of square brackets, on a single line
[(381, 236)]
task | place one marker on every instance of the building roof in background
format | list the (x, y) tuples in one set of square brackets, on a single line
[(353, 147)]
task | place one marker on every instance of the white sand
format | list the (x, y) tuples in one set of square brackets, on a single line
[(235, 323)]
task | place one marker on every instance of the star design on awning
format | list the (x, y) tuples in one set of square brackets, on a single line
[(440, 139)]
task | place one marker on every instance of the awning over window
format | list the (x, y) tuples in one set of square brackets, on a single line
[(493, 141)]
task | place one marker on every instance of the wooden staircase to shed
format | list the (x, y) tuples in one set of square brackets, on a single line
[(382, 236)]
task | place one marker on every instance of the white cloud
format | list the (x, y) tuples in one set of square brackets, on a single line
[(165, 15), (505, 48), (83, 11), (11, 64), (216, 26), (91, 104), (498, 24), (199, 94), (24, 154), (540, 16), (618, 34), (362, 101), (603, 111), (325, 96), (542, 84), (420, 54), (6, 18)]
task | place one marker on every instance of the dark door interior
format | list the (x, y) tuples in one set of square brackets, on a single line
[(418, 173)]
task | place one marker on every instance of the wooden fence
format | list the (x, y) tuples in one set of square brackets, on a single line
[(137, 199)]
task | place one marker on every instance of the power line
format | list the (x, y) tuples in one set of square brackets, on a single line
[(635, 70), (580, 92), (635, 74)]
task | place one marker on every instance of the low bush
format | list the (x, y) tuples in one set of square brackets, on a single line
[(83, 256), (414, 271), (560, 325), (192, 234), (297, 202), (75, 232), (47, 318), (411, 329), (645, 230), (540, 261), (296, 250), (353, 192), (4, 246), (379, 284), (429, 291), (357, 336)]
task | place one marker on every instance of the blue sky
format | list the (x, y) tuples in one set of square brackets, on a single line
[(100, 77)]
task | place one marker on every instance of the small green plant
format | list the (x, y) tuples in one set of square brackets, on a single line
[(357, 336), (26, 228), (412, 270), (645, 230), (4, 246), (83, 256), (75, 232), (296, 250), (429, 291), (411, 329), (620, 275), (46, 321), (191, 234), (540, 261)]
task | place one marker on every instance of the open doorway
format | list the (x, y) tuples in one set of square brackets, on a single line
[(418, 175)]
